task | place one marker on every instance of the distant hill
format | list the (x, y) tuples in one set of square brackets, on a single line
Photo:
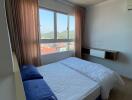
[(62, 35)]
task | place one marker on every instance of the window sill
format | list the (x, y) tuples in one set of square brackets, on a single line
[(70, 51)]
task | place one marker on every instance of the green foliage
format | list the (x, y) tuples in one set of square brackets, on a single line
[(62, 35)]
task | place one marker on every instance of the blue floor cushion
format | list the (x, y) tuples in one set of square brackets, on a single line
[(38, 90), (29, 72)]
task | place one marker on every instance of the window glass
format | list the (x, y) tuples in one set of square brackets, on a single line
[(48, 48), (62, 25), (46, 24), (71, 27), (50, 22), (71, 46)]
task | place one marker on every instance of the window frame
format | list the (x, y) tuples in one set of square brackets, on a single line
[(55, 40)]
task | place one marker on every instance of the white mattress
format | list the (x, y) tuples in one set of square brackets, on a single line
[(68, 84), (102, 75)]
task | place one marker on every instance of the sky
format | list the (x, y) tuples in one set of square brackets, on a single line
[(47, 21)]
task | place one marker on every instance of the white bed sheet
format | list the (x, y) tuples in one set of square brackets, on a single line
[(68, 84), (104, 76)]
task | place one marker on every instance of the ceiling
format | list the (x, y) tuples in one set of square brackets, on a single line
[(85, 2)]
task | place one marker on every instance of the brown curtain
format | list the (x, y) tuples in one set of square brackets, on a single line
[(22, 17), (79, 29)]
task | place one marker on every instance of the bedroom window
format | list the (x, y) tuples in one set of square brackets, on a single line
[(57, 31), (62, 26), (46, 26)]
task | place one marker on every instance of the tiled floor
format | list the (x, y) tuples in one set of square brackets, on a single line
[(123, 93)]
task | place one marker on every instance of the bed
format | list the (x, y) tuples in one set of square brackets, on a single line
[(68, 84), (106, 78), (77, 79)]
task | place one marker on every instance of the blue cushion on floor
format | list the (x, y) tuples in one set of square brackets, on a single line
[(29, 72), (38, 90)]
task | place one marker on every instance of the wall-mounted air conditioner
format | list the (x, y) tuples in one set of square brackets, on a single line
[(129, 4)]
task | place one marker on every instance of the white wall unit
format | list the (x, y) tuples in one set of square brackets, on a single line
[(20, 94), (129, 4), (11, 86), (109, 26)]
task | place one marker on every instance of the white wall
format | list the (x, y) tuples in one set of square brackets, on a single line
[(6, 66), (109, 26), (7, 84)]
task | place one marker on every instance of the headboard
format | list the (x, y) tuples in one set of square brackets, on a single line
[(101, 53)]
